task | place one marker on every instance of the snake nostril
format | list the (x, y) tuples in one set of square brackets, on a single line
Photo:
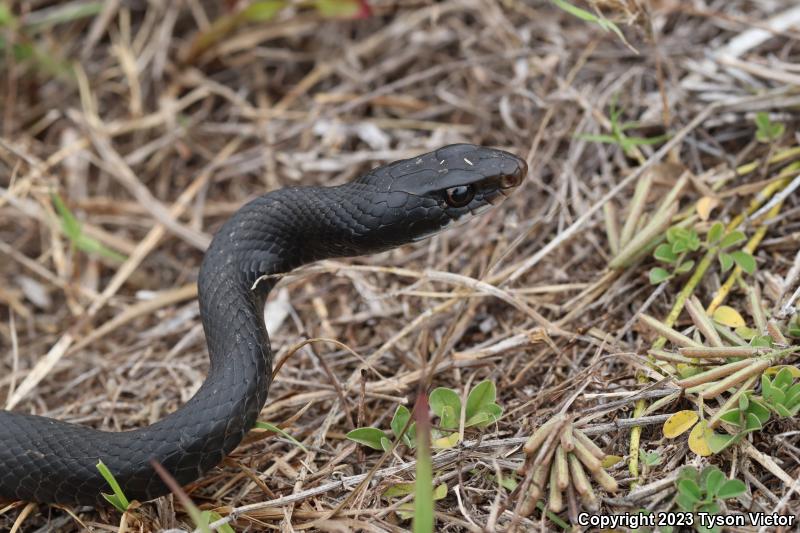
[(513, 179), (509, 181)]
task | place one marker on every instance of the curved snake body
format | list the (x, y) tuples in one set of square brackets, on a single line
[(46, 460)]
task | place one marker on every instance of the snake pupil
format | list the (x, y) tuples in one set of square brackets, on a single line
[(460, 196)]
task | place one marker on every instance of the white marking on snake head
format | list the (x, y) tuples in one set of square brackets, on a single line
[(467, 161)]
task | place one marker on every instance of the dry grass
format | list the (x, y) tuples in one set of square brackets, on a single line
[(153, 141)]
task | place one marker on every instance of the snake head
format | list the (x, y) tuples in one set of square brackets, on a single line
[(422, 196)]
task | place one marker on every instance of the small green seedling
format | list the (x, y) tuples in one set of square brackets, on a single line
[(401, 417), (717, 237), (618, 135), (781, 394), (372, 438), (650, 458), (510, 482), (750, 415), (703, 492), (766, 130), (480, 411), (118, 498), (401, 490), (682, 241), (378, 440)]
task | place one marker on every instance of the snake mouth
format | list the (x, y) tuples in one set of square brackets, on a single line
[(497, 199), (504, 185)]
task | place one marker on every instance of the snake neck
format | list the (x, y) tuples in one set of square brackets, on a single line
[(267, 237), (283, 230)]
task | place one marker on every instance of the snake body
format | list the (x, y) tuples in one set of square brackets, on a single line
[(50, 461)]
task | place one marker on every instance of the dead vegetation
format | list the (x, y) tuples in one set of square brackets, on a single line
[(153, 125)]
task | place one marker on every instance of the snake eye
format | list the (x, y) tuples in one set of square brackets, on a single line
[(459, 196)]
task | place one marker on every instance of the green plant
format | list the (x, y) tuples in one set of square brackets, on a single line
[(750, 412), (766, 130), (371, 437), (74, 232), (750, 415), (261, 11), (24, 45), (667, 363), (588, 16), (202, 519), (650, 458), (424, 519), (6, 17), (781, 394), (703, 491), (794, 327), (618, 135), (731, 362), (480, 411), (206, 518), (726, 240), (401, 490), (682, 241), (275, 429), (118, 498)]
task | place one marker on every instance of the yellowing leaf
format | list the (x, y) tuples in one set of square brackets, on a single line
[(728, 316), (400, 489), (793, 370), (746, 333), (611, 460), (679, 423), (705, 205), (697, 440), (446, 442), (685, 371)]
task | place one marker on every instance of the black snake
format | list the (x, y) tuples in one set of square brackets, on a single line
[(46, 460)]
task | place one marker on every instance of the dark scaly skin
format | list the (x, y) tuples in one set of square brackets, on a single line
[(45, 460)]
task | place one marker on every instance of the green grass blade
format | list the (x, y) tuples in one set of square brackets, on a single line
[(118, 498), (423, 489), (74, 232), (279, 431)]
